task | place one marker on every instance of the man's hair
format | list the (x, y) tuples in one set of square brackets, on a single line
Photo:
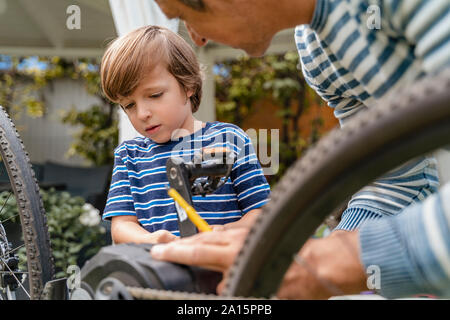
[(129, 59), (194, 4)]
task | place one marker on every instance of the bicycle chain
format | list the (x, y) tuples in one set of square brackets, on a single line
[(156, 294)]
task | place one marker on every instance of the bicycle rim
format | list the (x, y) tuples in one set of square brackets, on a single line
[(25, 190), (412, 122)]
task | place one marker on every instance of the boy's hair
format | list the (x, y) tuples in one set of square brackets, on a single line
[(128, 58)]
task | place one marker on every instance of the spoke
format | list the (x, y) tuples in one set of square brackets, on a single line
[(13, 250), (10, 294), (9, 195), (18, 272), (2, 222), (12, 272)]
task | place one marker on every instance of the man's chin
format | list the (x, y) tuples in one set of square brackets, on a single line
[(256, 50)]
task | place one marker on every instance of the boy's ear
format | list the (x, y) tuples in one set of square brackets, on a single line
[(189, 93)]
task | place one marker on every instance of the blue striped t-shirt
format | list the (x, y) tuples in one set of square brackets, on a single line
[(354, 53), (139, 181)]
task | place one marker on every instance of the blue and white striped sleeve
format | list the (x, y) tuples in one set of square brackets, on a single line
[(425, 24), (120, 201), (411, 249), (248, 178), (389, 195)]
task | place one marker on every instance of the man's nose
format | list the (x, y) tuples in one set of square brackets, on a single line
[(198, 40)]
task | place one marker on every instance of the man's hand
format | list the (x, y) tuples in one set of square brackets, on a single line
[(324, 268), (215, 250)]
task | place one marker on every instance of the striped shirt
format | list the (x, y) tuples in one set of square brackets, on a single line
[(139, 182), (355, 52), (412, 249)]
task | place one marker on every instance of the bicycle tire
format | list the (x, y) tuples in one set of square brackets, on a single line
[(30, 207), (409, 123)]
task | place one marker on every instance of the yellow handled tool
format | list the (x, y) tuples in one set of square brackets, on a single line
[(198, 221)]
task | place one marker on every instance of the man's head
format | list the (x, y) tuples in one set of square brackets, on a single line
[(245, 24), (130, 58)]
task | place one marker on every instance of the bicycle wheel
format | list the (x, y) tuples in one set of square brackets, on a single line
[(410, 123), (22, 189)]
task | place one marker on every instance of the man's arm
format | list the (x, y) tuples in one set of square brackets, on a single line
[(423, 23), (411, 251), (334, 262)]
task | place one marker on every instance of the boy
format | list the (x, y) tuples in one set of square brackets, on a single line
[(155, 77)]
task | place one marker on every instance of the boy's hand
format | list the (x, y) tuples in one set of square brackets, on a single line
[(161, 236), (218, 227)]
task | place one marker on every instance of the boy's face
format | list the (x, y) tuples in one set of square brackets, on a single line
[(159, 107)]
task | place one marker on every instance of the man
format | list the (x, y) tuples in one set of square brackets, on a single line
[(352, 54), (409, 249)]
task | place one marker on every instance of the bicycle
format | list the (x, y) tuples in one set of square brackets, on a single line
[(27, 278)]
